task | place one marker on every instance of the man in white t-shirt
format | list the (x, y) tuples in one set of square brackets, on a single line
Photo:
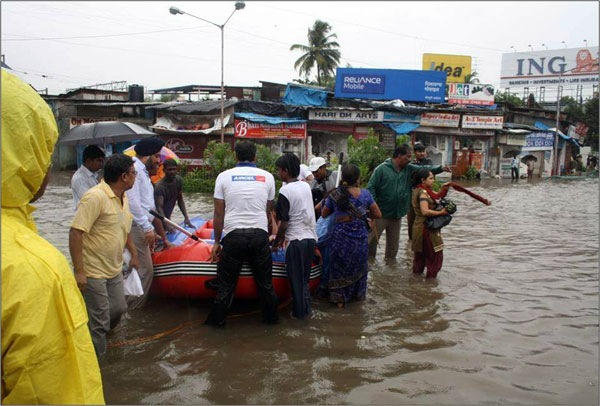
[(243, 197), (296, 213), (305, 173)]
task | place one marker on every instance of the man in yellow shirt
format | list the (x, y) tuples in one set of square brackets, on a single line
[(97, 238), (47, 352)]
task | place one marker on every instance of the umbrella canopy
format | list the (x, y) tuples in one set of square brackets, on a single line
[(104, 132), (511, 153), (528, 158)]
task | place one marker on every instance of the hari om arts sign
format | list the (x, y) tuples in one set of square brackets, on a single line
[(345, 115)]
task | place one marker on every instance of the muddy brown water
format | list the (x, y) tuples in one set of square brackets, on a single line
[(512, 318)]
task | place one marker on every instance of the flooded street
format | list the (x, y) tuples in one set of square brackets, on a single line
[(512, 318)]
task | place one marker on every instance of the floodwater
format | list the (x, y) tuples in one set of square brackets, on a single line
[(512, 318)]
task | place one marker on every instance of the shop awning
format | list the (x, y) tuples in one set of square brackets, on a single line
[(305, 96), (259, 118), (402, 128)]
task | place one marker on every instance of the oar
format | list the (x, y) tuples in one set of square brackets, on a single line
[(177, 226)]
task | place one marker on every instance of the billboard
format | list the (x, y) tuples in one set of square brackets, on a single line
[(471, 93), (249, 129), (579, 66), (390, 84), (457, 67)]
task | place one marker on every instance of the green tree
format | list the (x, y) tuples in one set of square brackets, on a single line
[(472, 77), (322, 51), (165, 98), (570, 106), (509, 99), (265, 158), (590, 118), (366, 154), (219, 156)]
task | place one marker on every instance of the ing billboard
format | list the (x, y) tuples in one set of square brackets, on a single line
[(575, 66), (456, 67)]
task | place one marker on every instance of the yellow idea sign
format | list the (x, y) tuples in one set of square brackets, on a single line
[(457, 67)]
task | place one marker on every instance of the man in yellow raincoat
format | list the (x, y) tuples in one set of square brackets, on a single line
[(47, 352)]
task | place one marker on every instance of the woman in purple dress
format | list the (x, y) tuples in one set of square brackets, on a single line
[(350, 205)]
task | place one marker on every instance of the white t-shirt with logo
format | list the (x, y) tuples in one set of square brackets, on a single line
[(246, 190), (301, 213)]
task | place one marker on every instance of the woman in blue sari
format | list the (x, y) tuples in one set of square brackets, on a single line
[(350, 205)]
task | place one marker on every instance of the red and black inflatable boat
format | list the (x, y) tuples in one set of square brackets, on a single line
[(185, 271)]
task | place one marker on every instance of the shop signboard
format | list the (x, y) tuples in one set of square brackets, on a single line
[(573, 66), (391, 84), (249, 129), (75, 121), (471, 93), (402, 117), (539, 141), (345, 115), (456, 67), (483, 122), (440, 119), (512, 139)]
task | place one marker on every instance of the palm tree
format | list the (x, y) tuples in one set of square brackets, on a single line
[(320, 51), (472, 77)]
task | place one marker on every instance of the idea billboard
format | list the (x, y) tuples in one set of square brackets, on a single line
[(457, 67), (390, 84)]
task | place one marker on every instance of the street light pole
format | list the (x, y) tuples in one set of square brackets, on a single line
[(555, 146), (239, 5)]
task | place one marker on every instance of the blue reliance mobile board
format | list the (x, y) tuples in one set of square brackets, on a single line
[(391, 84)]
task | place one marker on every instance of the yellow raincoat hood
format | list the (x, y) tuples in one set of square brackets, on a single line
[(47, 352), (29, 134)]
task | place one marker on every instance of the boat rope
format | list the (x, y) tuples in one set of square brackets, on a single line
[(158, 336)]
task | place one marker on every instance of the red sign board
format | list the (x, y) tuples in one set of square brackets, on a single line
[(248, 129)]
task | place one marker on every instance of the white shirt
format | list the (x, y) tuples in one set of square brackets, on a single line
[(301, 223), (83, 179), (246, 190), (141, 197), (304, 172)]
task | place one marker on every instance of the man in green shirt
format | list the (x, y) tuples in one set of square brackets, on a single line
[(391, 187)]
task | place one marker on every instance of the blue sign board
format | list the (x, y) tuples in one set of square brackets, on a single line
[(391, 84), (539, 140)]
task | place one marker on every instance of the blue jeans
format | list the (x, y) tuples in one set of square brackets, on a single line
[(251, 245)]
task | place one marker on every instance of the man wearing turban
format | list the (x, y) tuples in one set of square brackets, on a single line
[(141, 201)]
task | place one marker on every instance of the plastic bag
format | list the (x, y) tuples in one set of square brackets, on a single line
[(132, 284), (437, 222), (324, 229)]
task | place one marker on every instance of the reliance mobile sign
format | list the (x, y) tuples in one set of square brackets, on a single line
[(391, 84)]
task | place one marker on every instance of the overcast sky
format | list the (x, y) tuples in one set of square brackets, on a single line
[(62, 45)]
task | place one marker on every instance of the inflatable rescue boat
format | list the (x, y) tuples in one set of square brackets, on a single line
[(185, 271)]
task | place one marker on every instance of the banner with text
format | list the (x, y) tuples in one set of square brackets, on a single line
[(470, 93), (345, 115), (440, 119), (579, 66), (483, 122), (248, 129), (456, 67), (391, 84), (539, 141)]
